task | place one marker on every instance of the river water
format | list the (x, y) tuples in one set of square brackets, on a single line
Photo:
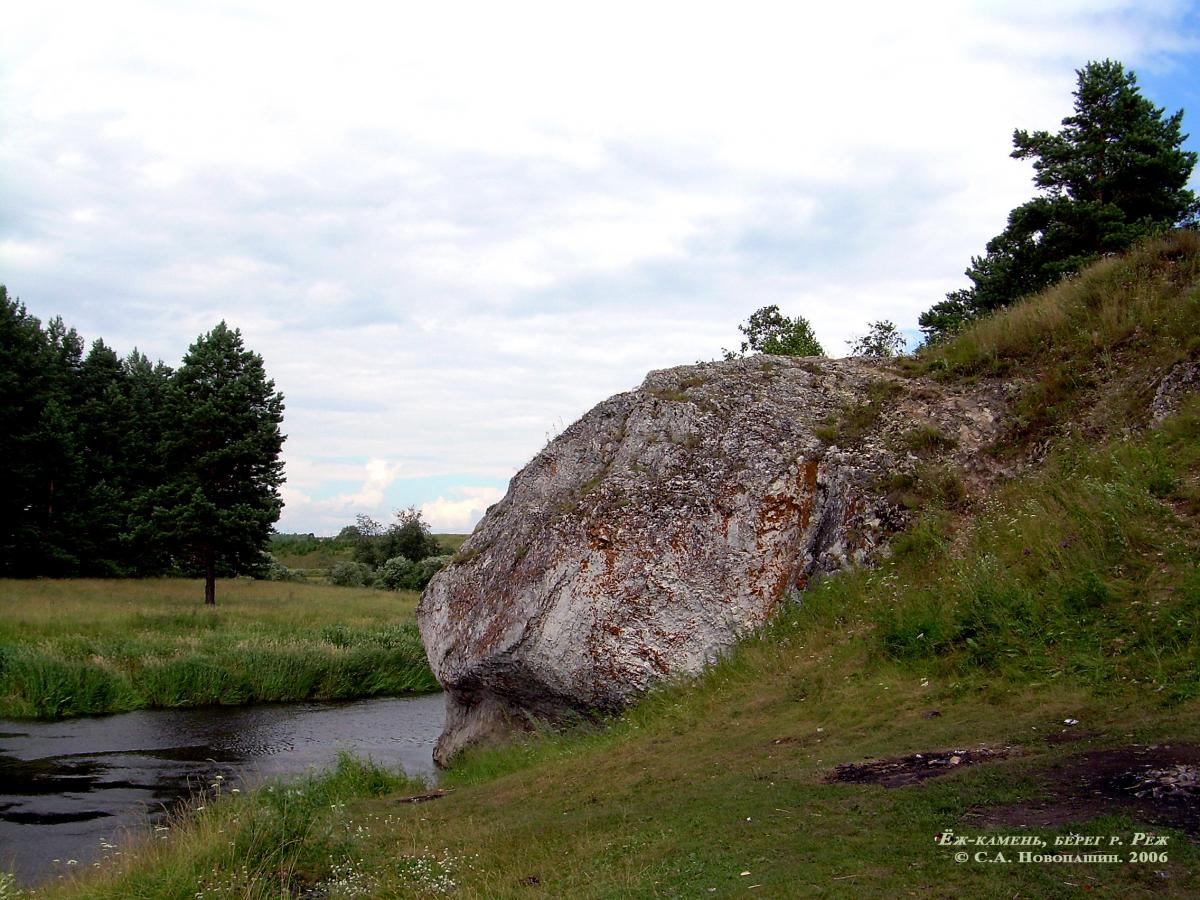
[(68, 788)]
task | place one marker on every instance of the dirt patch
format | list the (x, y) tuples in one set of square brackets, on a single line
[(903, 770), (1156, 784)]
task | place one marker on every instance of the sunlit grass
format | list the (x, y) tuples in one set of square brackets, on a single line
[(1070, 594), (1148, 299), (75, 647)]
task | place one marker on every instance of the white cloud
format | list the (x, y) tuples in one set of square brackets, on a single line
[(18, 255), (459, 515), (303, 512), (448, 227)]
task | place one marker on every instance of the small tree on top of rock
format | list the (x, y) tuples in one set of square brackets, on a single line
[(881, 341), (770, 331)]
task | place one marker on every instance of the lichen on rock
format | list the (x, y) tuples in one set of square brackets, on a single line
[(664, 525)]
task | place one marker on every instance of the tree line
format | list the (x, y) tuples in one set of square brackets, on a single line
[(127, 467), (402, 555)]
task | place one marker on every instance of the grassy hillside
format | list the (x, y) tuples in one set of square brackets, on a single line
[(87, 646), (1085, 355), (1038, 647)]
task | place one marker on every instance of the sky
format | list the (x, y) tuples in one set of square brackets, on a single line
[(450, 229)]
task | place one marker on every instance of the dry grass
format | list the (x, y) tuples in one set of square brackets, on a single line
[(1148, 299)]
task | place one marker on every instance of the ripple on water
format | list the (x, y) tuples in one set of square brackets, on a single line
[(67, 787)]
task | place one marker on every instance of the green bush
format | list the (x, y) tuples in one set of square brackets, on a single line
[(430, 566), (403, 574), (351, 574), (398, 573), (274, 570)]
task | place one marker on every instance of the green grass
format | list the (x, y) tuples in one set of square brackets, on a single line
[(451, 542), (848, 427), (1072, 593), (1085, 352), (925, 439), (266, 843), (87, 646)]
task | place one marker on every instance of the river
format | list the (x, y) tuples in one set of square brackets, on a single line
[(68, 788)]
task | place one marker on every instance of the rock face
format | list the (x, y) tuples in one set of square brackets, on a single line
[(668, 522), (1182, 380)]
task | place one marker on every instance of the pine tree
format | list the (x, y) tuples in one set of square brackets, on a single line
[(222, 451), (57, 505), (149, 392), (103, 416), (1115, 173), (22, 398)]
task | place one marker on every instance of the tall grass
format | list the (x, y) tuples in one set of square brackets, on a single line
[(286, 838), (1073, 592), (93, 646), (1148, 299), (1085, 570), (1084, 355)]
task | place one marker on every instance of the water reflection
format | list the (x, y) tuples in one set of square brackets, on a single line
[(66, 787)]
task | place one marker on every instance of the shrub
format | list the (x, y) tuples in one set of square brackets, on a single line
[(274, 570), (430, 566), (403, 574), (397, 574), (350, 574)]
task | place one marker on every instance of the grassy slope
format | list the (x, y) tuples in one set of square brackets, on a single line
[(1073, 592), (88, 645)]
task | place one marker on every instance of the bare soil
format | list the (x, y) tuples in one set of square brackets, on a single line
[(898, 771), (1156, 784)]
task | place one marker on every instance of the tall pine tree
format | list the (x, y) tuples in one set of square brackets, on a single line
[(1115, 173), (221, 496), (149, 392), (23, 395)]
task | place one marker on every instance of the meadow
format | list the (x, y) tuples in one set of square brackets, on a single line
[(1072, 595), (86, 646), (1040, 641)]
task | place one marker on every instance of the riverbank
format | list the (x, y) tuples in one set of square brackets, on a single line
[(1027, 673), (1023, 669), (89, 646), (69, 790)]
